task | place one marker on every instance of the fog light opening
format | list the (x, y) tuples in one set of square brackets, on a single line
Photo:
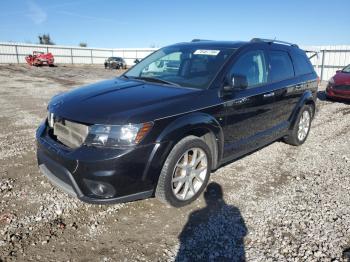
[(100, 189)]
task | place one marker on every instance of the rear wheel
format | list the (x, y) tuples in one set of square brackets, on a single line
[(301, 128), (185, 173)]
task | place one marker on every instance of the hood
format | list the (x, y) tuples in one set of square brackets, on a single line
[(342, 78), (121, 101)]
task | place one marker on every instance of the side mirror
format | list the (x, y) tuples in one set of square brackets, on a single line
[(236, 82), (338, 71), (136, 61)]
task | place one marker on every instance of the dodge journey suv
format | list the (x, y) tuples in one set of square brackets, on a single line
[(163, 126)]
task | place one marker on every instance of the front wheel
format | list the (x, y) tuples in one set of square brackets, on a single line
[(185, 172), (301, 129)]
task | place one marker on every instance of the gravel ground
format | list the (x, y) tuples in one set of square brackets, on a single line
[(281, 203)]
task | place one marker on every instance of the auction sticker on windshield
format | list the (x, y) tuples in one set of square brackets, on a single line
[(206, 52)]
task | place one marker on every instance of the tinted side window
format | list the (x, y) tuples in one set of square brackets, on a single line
[(302, 64), (281, 66), (252, 65)]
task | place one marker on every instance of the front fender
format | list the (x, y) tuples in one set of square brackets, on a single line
[(174, 131), (189, 124), (185, 124)]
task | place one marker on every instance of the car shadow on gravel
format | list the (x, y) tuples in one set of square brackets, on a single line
[(213, 233)]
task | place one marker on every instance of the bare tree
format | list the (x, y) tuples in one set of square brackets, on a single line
[(45, 40)]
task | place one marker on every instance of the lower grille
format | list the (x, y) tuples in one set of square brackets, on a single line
[(342, 87), (69, 133)]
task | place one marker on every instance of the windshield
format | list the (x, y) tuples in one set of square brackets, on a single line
[(185, 66), (346, 69)]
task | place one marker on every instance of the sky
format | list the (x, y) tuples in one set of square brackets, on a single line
[(156, 23)]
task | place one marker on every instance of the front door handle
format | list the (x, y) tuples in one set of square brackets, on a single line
[(240, 100), (269, 94)]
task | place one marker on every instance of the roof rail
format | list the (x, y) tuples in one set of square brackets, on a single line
[(273, 41), (200, 40)]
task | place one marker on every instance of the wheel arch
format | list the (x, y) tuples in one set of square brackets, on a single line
[(210, 139), (306, 99), (312, 103), (197, 124)]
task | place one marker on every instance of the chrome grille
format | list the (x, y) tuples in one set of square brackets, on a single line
[(70, 133)]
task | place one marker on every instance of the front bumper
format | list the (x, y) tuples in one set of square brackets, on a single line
[(337, 94), (126, 174)]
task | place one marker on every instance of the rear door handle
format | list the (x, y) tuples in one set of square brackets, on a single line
[(269, 94)]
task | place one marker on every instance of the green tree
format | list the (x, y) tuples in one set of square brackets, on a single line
[(45, 39)]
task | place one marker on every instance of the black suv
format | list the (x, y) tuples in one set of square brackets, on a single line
[(115, 63), (185, 110)]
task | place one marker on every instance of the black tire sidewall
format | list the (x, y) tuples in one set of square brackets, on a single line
[(172, 160)]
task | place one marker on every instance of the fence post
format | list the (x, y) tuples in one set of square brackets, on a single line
[(71, 55), (92, 60), (322, 65), (17, 54)]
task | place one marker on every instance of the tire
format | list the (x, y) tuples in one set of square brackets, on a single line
[(295, 138), (194, 178)]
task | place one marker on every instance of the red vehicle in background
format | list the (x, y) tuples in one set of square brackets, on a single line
[(339, 85), (40, 58)]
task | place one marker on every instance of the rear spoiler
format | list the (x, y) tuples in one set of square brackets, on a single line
[(313, 54), (310, 54)]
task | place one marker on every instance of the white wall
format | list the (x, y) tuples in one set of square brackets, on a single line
[(16, 53), (335, 56)]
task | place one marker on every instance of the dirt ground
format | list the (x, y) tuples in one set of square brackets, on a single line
[(279, 203)]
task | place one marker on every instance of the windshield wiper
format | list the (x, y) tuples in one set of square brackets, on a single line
[(154, 79)]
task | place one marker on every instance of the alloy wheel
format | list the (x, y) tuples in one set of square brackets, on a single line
[(189, 173), (304, 125)]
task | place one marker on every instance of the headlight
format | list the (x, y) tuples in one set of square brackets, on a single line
[(50, 119), (117, 135)]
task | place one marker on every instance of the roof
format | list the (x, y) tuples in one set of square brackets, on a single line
[(234, 44), (210, 43)]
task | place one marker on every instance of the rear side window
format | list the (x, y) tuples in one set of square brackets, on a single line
[(302, 64), (281, 66)]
